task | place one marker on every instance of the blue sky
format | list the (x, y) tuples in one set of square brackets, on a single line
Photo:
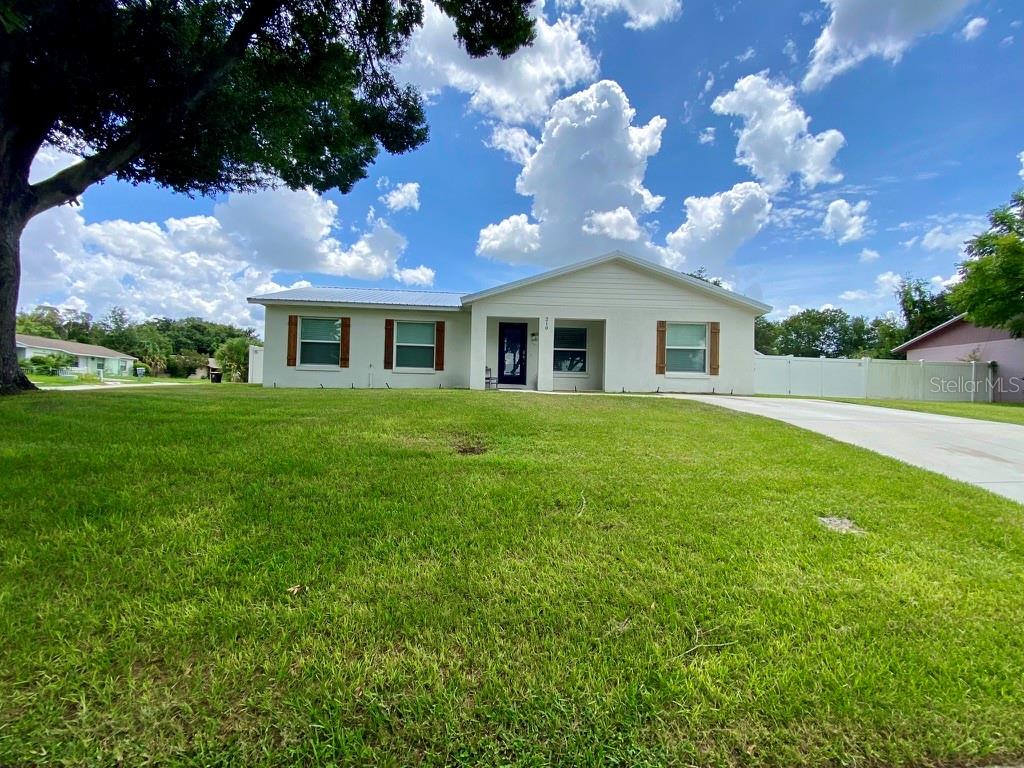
[(808, 153)]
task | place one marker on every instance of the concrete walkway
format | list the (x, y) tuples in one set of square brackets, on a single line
[(110, 385), (985, 453)]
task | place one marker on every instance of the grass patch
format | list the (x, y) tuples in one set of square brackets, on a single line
[(47, 380), (214, 575), (1010, 413)]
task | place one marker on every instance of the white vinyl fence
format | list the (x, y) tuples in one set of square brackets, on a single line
[(255, 364), (869, 378)]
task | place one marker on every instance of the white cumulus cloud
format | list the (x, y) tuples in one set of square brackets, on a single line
[(859, 29), (885, 286), (516, 142), (1020, 173), (201, 265), (717, 225), (867, 255), (514, 90), (619, 224), (640, 14), (775, 141), (844, 222), (972, 29), (951, 237), (589, 158), (707, 136), (402, 196), (512, 239), (585, 175)]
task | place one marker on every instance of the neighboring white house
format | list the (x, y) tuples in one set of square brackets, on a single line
[(608, 324), (89, 358)]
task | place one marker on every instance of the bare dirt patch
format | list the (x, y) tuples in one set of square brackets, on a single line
[(467, 445), (840, 524)]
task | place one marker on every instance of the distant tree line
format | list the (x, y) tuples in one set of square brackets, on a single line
[(164, 345), (833, 332)]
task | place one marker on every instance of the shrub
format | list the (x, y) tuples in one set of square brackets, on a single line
[(50, 364), (185, 364)]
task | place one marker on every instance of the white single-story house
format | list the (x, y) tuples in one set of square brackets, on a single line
[(610, 324), (89, 358)]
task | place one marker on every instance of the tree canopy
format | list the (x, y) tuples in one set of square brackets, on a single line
[(832, 332), (214, 95), (991, 289), (175, 346), (208, 96)]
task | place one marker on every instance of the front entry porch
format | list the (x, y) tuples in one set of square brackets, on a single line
[(543, 353)]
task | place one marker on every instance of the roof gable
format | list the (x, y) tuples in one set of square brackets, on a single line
[(662, 273)]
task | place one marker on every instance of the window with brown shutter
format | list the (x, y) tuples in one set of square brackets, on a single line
[(659, 349), (346, 334), (716, 331), (439, 346), (293, 338), (389, 345)]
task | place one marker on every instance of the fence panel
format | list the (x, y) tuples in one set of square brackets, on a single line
[(886, 379)]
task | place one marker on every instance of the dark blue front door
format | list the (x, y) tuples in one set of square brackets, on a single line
[(511, 353)]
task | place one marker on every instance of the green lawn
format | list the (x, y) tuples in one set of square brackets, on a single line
[(489, 578), (1011, 413), (46, 380), (43, 380)]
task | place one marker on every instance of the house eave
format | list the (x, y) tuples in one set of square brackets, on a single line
[(351, 305), (922, 336)]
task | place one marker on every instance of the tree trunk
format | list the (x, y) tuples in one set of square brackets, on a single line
[(12, 379)]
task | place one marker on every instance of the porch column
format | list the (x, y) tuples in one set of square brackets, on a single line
[(477, 348), (545, 353)]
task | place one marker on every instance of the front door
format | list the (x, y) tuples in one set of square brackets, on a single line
[(511, 353)]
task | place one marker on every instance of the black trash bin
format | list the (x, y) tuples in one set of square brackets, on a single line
[(215, 377)]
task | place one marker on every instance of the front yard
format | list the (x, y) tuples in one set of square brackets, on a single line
[(233, 575), (1011, 413)]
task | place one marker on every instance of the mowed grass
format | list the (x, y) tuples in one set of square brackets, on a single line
[(489, 578), (1010, 413)]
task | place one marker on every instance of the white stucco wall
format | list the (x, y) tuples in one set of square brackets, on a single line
[(630, 301), (366, 350)]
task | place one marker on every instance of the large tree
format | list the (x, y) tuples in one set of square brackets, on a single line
[(922, 309), (206, 96), (991, 291)]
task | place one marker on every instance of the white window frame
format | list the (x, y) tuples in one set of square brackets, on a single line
[(433, 346), (706, 348), (585, 349), (299, 342)]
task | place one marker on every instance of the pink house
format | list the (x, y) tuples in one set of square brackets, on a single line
[(958, 340)]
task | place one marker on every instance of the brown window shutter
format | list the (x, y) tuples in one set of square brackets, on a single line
[(716, 331), (346, 333), (389, 345), (439, 345), (293, 338), (659, 349)]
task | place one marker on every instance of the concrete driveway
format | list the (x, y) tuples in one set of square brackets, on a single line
[(985, 453)]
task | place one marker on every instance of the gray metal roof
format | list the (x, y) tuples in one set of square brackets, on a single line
[(381, 296), (71, 347), (448, 300)]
